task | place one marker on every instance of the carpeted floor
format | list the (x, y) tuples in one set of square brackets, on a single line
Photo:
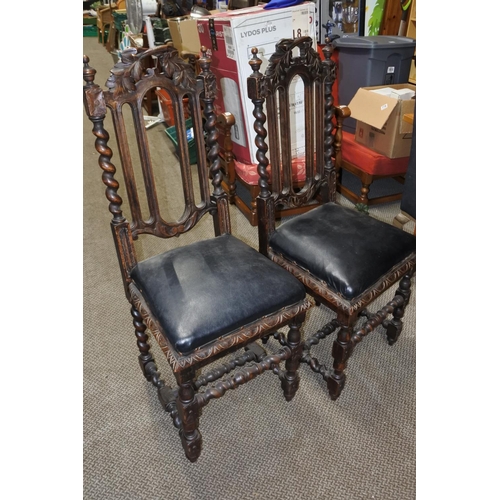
[(255, 444)]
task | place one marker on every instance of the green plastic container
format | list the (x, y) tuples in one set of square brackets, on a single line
[(119, 18), (172, 134), (89, 30)]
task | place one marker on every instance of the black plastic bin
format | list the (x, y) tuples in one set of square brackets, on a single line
[(368, 61)]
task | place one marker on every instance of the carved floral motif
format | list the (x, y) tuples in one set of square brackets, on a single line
[(134, 67), (179, 362), (283, 60)]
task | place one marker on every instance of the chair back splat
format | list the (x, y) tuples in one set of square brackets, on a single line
[(129, 82), (344, 258), (202, 300), (323, 128)]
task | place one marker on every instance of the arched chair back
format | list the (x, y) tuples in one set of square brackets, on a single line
[(293, 60)]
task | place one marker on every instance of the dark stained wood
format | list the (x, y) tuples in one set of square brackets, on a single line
[(131, 80), (323, 156), (189, 411), (224, 123), (290, 379)]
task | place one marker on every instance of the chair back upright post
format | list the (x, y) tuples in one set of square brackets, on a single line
[(130, 81), (258, 92), (323, 130), (334, 117)]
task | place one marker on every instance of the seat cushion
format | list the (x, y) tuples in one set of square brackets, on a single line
[(210, 288), (348, 250), (371, 162), (248, 172)]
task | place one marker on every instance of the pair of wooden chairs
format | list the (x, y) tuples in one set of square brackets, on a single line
[(209, 298)]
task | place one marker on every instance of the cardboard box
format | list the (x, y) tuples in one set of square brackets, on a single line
[(380, 125), (229, 38), (403, 94), (184, 33)]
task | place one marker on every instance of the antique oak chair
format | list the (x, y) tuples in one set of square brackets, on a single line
[(345, 258), (205, 299)]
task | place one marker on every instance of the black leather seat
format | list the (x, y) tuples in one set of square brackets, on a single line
[(343, 247), (210, 288)]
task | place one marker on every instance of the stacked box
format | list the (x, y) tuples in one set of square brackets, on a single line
[(379, 113), (229, 38), (369, 61), (184, 33)]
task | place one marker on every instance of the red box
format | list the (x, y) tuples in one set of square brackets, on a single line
[(229, 38)]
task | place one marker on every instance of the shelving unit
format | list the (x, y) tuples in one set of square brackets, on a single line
[(411, 32)]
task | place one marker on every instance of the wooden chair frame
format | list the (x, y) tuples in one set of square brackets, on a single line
[(104, 21), (321, 178), (131, 79), (229, 180)]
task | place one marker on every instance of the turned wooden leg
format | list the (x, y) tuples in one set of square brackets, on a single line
[(395, 326), (253, 211), (225, 122), (188, 410), (232, 193), (340, 353), (291, 379), (365, 189), (145, 356)]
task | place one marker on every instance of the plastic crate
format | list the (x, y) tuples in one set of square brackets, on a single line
[(89, 20), (120, 16), (89, 30), (172, 134)]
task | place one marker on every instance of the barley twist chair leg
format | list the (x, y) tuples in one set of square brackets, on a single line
[(395, 326)]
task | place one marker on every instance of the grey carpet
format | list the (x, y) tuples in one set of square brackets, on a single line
[(255, 444)]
